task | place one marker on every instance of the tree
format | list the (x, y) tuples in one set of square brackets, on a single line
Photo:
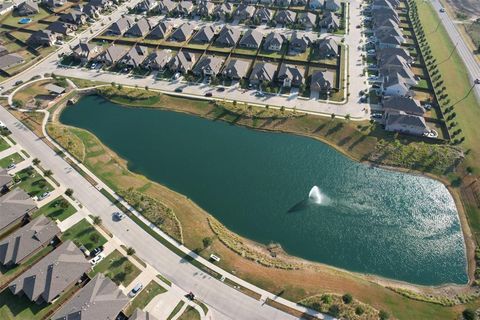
[(97, 220), (63, 204), (469, 314), (326, 299), (347, 298), (36, 162), (334, 310), (95, 237), (17, 103), (130, 251), (359, 310), (333, 116), (207, 242), (128, 268), (48, 173), (347, 117), (69, 192), (383, 315), (146, 88)]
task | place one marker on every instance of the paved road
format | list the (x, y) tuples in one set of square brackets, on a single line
[(472, 65)]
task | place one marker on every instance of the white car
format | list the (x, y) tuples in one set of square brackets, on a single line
[(96, 259), (43, 196), (135, 290), (119, 215)]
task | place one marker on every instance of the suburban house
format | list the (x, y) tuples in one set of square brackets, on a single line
[(184, 8), (161, 31), (389, 37), (327, 48), (329, 21), (85, 51), (251, 39), (166, 6), (62, 28), (24, 242), (397, 65), (53, 4), (228, 36), (244, 12), (223, 11), (262, 15), (266, 2), (289, 76), (402, 104), (135, 56), (139, 29), (27, 8), (146, 5), (52, 275), (263, 72), (42, 38), (182, 33), (139, 314), (299, 43), (112, 55), (376, 4), (7, 61), (6, 7), (236, 69), (15, 206), (274, 41), (395, 85), (204, 35), (307, 19), (158, 59), (208, 66), (90, 10), (406, 123), (182, 62), (298, 3), (285, 17), (74, 17), (204, 8), (322, 81), (101, 3), (119, 27), (332, 5), (101, 298), (384, 55), (282, 3), (315, 4), (6, 181)]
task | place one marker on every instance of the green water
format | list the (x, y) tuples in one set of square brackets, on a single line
[(370, 220)]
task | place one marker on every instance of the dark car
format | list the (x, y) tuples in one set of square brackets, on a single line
[(18, 82), (178, 90), (221, 89), (95, 252), (208, 94)]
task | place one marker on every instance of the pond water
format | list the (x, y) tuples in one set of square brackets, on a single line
[(292, 190)]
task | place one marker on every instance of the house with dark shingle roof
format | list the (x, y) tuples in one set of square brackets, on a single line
[(161, 31), (251, 39), (384, 55), (263, 72), (307, 19), (262, 15), (299, 43), (204, 8), (406, 123), (26, 241), (389, 37), (27, 8), (244, 12), (223, 11), (52, 275), (74, 17), (236, 69), (15, 206), (327, 48), (208, 66), (228, 36), (112, 55), (135, 56), (182, 62), (167, 6), (289, 76), (85, 51), (204, 35), (53, 4), (158, 60), (62, 28), (120, 26), (402, 104), (329, 21), (282, 3), (90, 10), (182, 33), (184, 8), (285, 17), (274, 41), (322, 81), (146, 5), (99, 299), (332, 5), (42, 38), (139, 29), (298, 3)]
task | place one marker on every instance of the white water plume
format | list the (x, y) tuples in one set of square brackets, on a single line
[(316, 196)]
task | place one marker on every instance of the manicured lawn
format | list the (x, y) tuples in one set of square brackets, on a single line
[(83, 233), (12, 18), (13, 158), (190, 314), (272, 54), (117, 267), (299, 57), (32, 183), (152, 290), (250, 52), (176, 310), (3, 145), (58, 209)]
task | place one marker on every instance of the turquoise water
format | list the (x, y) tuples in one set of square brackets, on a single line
[(370, 220)]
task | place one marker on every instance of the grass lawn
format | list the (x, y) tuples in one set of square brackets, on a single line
[(13, 158), (118, 268), (58, 209), (20, 35), (272, 54), (190, 314), (12, 18), (152, 290), (176, 310), (219, 49), (30, 92), (32, 183), (299, 57), (196, 46), (249, 52), (3, 145), (83, 233)]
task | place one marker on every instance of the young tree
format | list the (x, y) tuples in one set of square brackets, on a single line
[(97, 220), (207, 242), (48, 173), (69, 192), (130, 251), (36, 161)]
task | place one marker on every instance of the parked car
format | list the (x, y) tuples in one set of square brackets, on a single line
[(43, 196), (11, 166), (19, 82), (178, 90), (259, 94), (221, 89), (119, 215), (95, 252), (96, 259), (442, 10), (208, 94), (377, 115), (135, 290)]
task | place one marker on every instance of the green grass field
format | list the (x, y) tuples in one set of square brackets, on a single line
[(152, 290), (190, 314), (32, 183), (83, 233), (8, 160), (117, 267), (3, 145), (58, 209)]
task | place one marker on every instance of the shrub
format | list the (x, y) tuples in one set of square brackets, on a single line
[(469, 314), (327, 299), (130, 251), (347, 298), (383, 315), (359, 310), (334, 310), (207, 242)]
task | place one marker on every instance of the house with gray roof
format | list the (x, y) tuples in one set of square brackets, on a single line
[(274, 41), (204, 35), (377, 4), (315, 4), (285, 17), (263, 72), (161, 31), (322, 81), (223, 11), (404, 104), (167, 6), (307, 19), (85, 51), (52, 275), (266, 2), (158, 59), (15, 206), (329, 21), (236, 69), (120, 26), (146, 5), (44, 38), (139, 314), (182, 62), (380, 16), (228, 36), (74, 17), (251, 39), (6, 180), (24, 242), (332, 5), (208, 66), (8, 61), (101, 3), (140, 29), (99, 299), (290, 76), (299, 43), (282, 3), (327, 48), (90, 10), (298, 3), (204, 8), (182, 33), (406, 123), (112, 55), (386, 55), (262, 15), (53, 4), (62, 28), (27, 8), (389, 37), (394, 84), (6, 7), (244, 12), (184, 8), (135, 56)]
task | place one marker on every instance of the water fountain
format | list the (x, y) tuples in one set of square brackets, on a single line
[(315, 195)]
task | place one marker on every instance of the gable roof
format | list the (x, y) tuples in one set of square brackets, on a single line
[(182, 33), (184, 60), (307, 18), (14, 205), (84, 48), (121, 25), (53, 274), (252, 37), (322, 80), (59, 27), (245, 11), (167, 5), (135, 55), (99, 299), (328, 46), (26, 240), (407, 105), (212, 64), (113, 54), (285, 16), (403, 119), (158, 58), (204, 35), (274, 38), (28, 6), (290, 72), (263, 71), (5, 179), (161, 30), (236, 68), (141, 28), (228, 36)]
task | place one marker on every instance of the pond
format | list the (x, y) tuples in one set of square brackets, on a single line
[(296, 191)]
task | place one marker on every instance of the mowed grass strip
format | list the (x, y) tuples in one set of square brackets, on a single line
[(117, 267), (3, 144)]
